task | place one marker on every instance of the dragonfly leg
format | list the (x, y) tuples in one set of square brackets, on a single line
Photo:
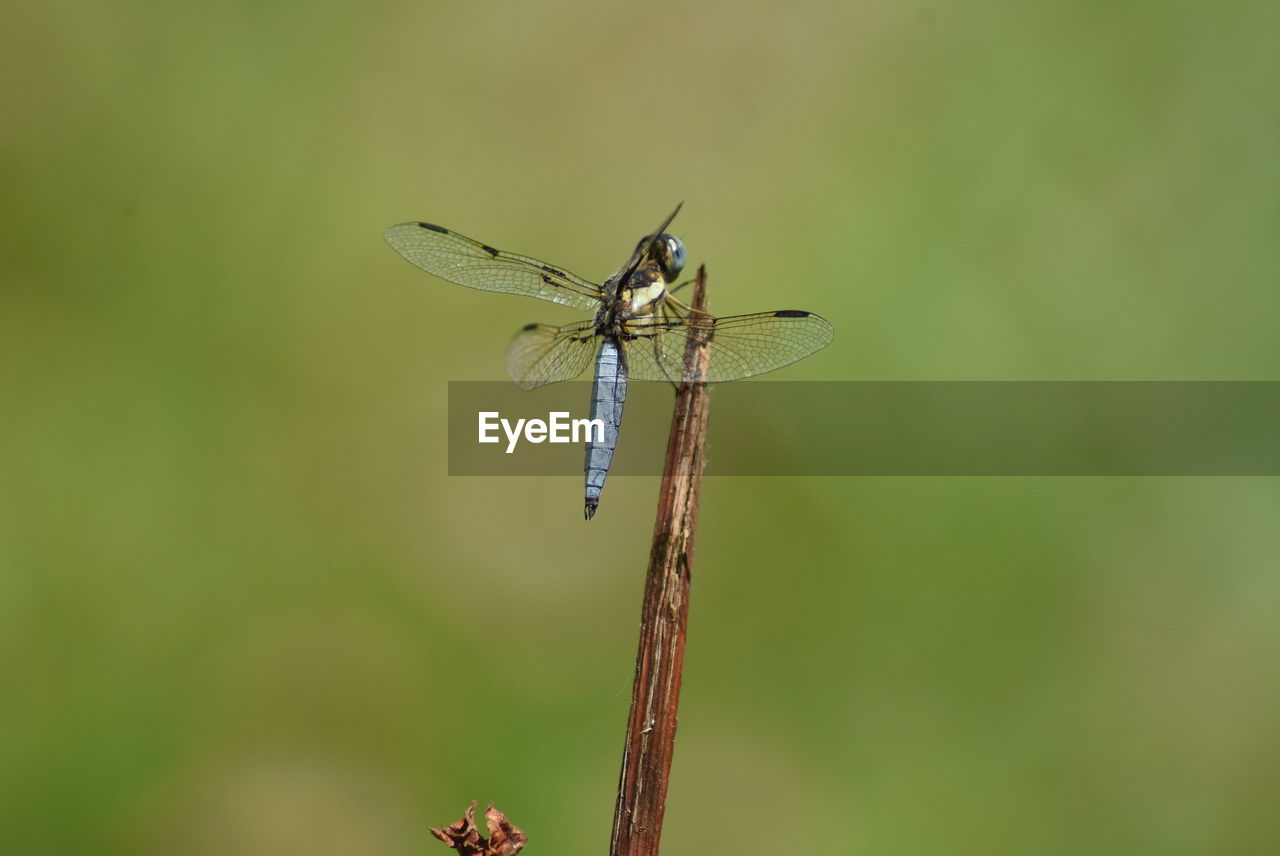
[(678, 308)]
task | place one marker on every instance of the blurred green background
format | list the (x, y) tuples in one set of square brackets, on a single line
[(243, 610)]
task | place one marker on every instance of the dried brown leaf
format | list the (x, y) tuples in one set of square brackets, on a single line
[(463, 836)]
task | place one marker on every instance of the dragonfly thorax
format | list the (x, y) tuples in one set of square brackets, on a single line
[(640, 296), (644, 290), (643, 298)]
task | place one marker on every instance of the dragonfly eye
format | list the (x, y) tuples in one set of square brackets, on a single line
[(668, 252), (671, 256)]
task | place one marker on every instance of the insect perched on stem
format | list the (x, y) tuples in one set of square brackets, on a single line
[(639, 329)]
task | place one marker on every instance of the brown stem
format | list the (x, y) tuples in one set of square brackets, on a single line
[(651, 728)]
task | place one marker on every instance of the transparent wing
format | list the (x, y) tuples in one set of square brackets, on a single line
[(461, 260), (741, 345), (541, 354)]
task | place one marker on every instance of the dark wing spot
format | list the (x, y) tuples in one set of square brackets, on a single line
[(791, 313), (530, 327), (433, 227), (549, 269), (491, 251), (548, 280)]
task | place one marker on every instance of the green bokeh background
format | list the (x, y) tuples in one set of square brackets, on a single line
[(243, 609)]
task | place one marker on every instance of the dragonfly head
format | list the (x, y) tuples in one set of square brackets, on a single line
[(667, 252)]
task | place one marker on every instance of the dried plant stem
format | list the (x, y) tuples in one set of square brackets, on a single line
[(651, 728)]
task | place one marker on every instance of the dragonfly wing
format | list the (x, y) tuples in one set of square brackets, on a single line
[(464, 261), (741, 345), (540, 354)]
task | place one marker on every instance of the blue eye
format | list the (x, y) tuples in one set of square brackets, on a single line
[(675, 252), (667, 251)]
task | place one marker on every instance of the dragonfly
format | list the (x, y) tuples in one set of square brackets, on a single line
[(639, 329)]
